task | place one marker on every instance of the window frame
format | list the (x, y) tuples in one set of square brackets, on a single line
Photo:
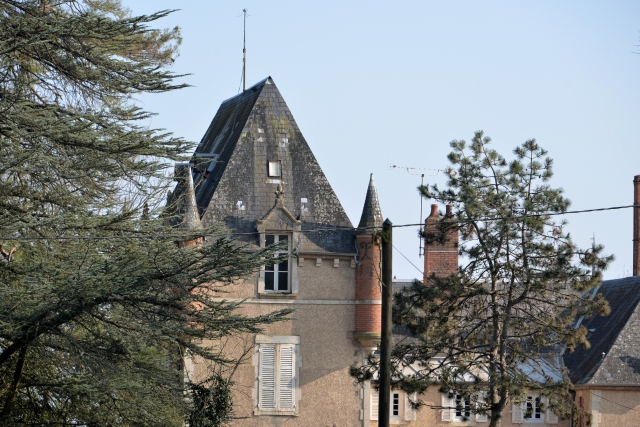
[(274, 269), (279, 344), (536, 409), (274, 162), (405, 412), (464, 409), (540, 405)]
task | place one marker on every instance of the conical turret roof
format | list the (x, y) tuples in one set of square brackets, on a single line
[(189, 206), (371, 213)]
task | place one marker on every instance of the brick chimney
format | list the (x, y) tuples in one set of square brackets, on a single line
[(440, 258), (368, 310), (636, 226)]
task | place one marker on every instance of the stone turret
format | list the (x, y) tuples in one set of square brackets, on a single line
[(368, 316)]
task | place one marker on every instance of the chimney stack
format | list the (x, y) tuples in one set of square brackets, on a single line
[(440, 259), (636, 226)]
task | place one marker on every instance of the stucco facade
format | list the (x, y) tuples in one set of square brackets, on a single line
[(254, 173)]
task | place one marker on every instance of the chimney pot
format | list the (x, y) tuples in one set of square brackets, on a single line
[(449, 211), (434, 210)]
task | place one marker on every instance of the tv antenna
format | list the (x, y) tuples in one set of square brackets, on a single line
[(421, 175), (409, 169)]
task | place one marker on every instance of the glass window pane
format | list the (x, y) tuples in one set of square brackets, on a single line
[(283, 281), (396, 404), (283, 266), (268, 280), (283, 238), (268, 267), (268, 239), (274, 168)]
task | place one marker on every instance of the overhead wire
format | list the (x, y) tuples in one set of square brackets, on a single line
[(619, 404), (335, 228), (403, 256)]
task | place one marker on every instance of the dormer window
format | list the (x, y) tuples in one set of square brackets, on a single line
[(275, 169), (276, 276)]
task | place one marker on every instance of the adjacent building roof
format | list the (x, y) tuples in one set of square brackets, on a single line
[(371, 213), (614, 355), (233, 182)]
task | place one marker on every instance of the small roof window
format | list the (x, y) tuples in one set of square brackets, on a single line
[(275, 170)]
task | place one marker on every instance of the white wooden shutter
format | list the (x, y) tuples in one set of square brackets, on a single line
[(375, 401), (482, 400), (267, 378), (286, 393), (552, 418), (517, 415), (447, 408), (409, 412)]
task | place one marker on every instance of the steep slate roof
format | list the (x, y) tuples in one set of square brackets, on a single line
[(617, 336), (231, 167), (371, 213)]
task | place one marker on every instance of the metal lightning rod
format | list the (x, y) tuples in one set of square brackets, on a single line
[(244, 51)]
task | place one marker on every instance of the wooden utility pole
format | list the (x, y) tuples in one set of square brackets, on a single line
[(384, 408)]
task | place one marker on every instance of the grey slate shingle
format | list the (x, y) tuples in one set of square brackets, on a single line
[(616, 335), (231, 166)]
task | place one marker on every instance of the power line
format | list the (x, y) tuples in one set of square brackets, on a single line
[(408, 260), (619, 404), (335, 228), (498, 218)]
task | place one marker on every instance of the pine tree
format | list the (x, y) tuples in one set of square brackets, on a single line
[(495, 332), (98, 301)]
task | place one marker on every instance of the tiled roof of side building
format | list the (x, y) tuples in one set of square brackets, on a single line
[(614, 355)]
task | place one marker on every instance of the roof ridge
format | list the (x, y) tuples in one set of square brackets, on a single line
[(252, 88)]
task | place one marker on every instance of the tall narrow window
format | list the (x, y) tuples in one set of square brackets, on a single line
[(276, 377), (463, 408), (276, 276), (275, 170), (532, 409)]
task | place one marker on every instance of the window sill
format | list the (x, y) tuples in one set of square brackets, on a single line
[(278, 413), (277, 295)]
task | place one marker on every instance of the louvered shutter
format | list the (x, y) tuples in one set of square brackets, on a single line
[(552, 418), (267, 378), (409, 412), (286, 393), (517, 415), (375, 401), (482, 401), (447, 408)]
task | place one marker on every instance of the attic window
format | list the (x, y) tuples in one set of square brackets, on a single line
[(275, 170)]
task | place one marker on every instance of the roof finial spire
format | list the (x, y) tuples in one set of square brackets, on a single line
[(371, 218), (244, 51), (188, 204), (279, 191)]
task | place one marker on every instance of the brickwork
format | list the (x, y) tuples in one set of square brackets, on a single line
[(368, 316), (440, 259), (636, 226)]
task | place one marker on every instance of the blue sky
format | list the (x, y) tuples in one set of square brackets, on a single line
[(377, 83)]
